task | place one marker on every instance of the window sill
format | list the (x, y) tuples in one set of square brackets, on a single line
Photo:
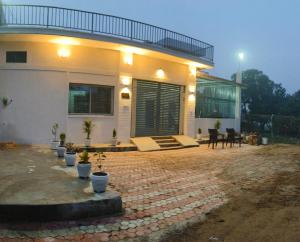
[(91, 116)]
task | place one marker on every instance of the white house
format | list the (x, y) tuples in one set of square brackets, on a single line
[(64, 66)]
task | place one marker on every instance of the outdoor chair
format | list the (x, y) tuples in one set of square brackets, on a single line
[(213, 137), (233, 137)]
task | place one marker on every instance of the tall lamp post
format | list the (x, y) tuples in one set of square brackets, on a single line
[(238, 110)]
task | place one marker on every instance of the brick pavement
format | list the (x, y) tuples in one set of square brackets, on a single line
[(161, 191)]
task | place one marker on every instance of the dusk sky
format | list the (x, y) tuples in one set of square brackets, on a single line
[(267, 31)]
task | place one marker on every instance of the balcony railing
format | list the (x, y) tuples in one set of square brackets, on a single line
[(95, 23)]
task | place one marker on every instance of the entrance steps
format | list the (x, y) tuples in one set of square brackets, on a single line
[(167, 142), (155, 143)]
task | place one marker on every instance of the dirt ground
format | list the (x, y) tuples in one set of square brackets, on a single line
[(264, 202)]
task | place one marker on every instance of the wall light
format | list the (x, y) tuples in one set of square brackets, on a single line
[(126, 80), (192, 89), (193, 70), (64, 52), (128, 58), (192, 98), (160, 73)]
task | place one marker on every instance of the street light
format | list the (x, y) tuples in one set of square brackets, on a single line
[(241, 56)]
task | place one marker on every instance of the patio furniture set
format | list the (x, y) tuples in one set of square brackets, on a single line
[(231, 137)]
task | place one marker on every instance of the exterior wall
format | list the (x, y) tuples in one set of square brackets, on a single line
[(39, 90), (40, 87)]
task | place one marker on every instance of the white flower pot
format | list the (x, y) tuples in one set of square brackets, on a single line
[(114, 141), (54, 145), (70, 159), (87, 142), (84, 169), (99, 181), (264, 140), (199, 136), (61, 151)]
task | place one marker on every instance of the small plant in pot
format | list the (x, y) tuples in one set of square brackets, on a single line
[(199, 134), (87, 129), (61, 149), (114, 140), (217, 125), (100, 178), (70, 155), (84, 166), (54, 142)]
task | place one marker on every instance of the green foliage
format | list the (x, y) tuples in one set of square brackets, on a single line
[(70, 148), (62, 137), (114, 133), (5, 101), (217, 125), (84, 157), (88, 127), (199, 131), (101, 157)]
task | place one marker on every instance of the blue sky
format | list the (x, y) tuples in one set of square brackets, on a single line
[(266, 30)]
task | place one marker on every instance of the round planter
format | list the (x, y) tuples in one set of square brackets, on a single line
[(54, 145), (84, 169), (264, 140), (70, 159), (87, 142), (114, 141), (199, 136), (61, 151), (99, 181)]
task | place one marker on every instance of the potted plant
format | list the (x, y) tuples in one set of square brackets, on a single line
[(100, 178), (217, 125), (87, 128), (114, 138), (54, 142), (199, 134), (61, 149), (84, 166), (70, 155)]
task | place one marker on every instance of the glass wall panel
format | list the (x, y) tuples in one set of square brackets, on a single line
[(215, 99)]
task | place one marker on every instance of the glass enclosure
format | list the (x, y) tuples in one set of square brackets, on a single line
[(215, 98)]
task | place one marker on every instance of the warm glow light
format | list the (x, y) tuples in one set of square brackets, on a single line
[(65, 41), (133, 50), (241, 56), (198, 65), (64, 52), (126, 80), (192, 98), (193, 70), (160, 73), (192, 89), (128, 58), (125, 90)]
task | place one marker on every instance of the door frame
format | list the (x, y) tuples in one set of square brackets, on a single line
[(133, 105)]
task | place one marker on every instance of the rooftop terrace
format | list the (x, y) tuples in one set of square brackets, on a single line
[(47, 17)]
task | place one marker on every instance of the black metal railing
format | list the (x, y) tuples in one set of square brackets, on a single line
[(90, 22)]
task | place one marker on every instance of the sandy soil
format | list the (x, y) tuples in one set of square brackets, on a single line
[(264, 202)]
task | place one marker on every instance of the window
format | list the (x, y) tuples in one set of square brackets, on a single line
[(90, 99), (215, 99), (16, 57)]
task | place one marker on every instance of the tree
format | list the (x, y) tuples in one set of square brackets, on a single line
[(261, 95)]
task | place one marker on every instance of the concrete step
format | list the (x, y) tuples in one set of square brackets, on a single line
[(173, 144), (160, 141), (161, 137)]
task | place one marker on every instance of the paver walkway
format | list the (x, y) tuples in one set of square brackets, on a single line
[(161, 191)]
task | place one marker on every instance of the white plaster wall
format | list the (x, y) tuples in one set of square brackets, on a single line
[(208, 123), (39, 100)]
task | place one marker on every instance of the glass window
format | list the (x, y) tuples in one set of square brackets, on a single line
[(215, 99), (16, 57), (90, 99)]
